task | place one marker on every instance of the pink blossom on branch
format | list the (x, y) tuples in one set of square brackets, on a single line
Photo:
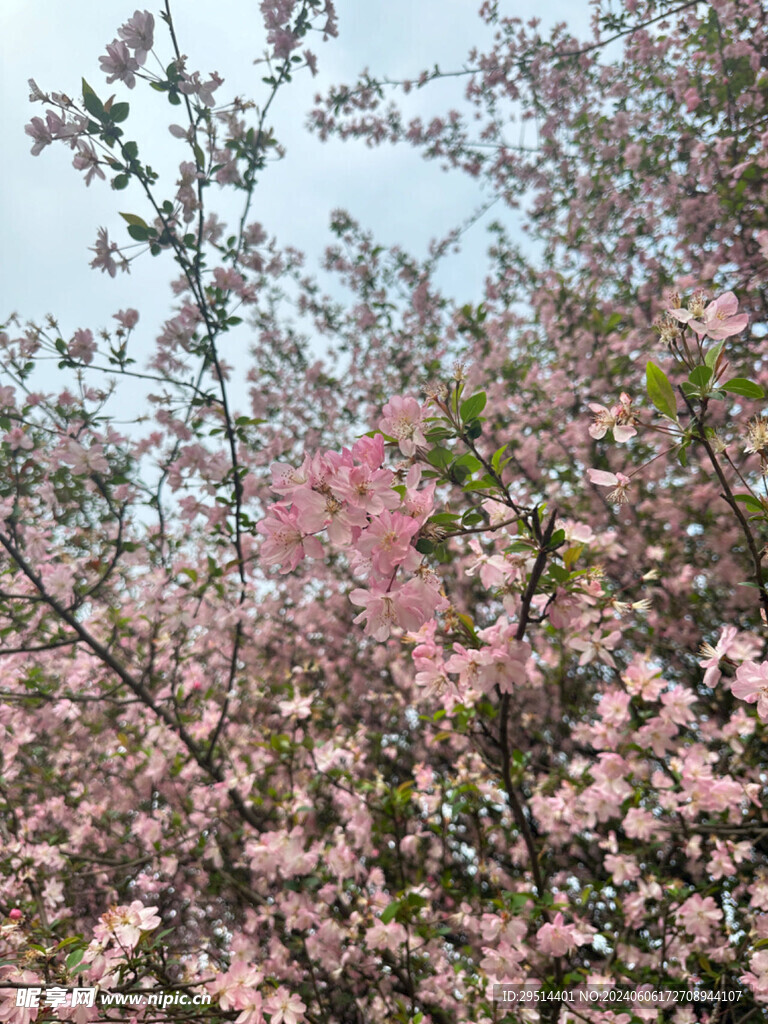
[(387, 540), (138, 34), (619, 418), (618, 481), (286, 543), (384, 611), (402, 419), (118, 64), (557, 938), (718, 320), (751, 685)]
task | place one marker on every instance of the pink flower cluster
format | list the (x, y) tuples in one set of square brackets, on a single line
[(136, 35), (370, 512)]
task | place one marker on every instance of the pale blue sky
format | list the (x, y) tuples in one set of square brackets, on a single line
[(49, 218)]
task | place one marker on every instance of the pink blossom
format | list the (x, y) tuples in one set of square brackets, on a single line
[(250, 1012), (402, 419), (318, 511), (698, 915), (285, 1007), (235, 988), (118, 64), (127, 318), (82, 346), (192, 84), (368, 489), (104, 259), (138, 34), (385, 611), (286, 478), (41, 133), (286, 544), (599, 646), (618, 481), (691, 99), (714, 654), (751, 685), (388, 541), (87, 160), (125, 924), (557, 938), (619, 419), (718, 320)]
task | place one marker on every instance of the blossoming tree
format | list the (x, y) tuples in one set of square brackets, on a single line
[(349, 709)]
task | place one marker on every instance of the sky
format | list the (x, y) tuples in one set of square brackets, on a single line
[(50, 218)]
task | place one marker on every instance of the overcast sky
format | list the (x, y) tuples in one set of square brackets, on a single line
[(49, 218)]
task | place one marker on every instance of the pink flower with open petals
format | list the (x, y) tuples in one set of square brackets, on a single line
[(285, 544), (285, 1007), (698, 915), (618, 481), (125, 924), (718, 320), (138, 34), (40, 132), (388, 541), (402, 420), (619, 418), (557, 938), (118, 64), (713, 655), (751, 685), (384, 612), (721, 319)]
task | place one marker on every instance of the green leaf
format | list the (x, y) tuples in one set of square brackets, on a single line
[(711, 357), (74, 958), (130, 150), (469, 462), (389, 912), (559, 574), (745, 388), (660, 391), (131, 218), (120, 182), (700, 376), (472, 407), (439, 457), (424, 546), (92, 103), (137, 233), (750, 502), (118, 112)]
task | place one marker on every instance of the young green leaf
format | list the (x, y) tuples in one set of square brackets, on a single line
[(660, 391), (700, 376), (472, 407), (131, 218), (711, 357), (743, 387)]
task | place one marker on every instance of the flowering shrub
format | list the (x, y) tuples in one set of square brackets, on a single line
[(352, 701)]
